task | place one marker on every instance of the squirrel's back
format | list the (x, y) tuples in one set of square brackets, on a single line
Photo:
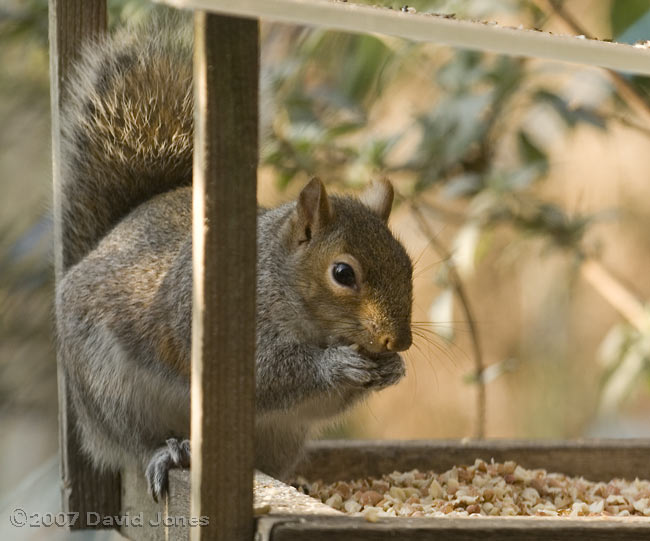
[(127, 127)]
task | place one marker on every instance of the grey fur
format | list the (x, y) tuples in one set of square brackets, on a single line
[(124, 304)]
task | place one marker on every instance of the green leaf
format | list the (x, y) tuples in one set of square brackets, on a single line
[(463, 185), (461, 72), (352, 64), (284, 178), (530, 152), (344, 128), (625, 13), (570, 115)]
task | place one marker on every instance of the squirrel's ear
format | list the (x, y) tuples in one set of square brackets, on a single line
[(313, 209), (378, 197)]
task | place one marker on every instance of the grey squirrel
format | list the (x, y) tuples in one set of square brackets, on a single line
[(334, 286)]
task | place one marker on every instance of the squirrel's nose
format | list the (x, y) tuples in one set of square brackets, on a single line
[(396, 342)]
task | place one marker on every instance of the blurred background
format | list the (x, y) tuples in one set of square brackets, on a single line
[(523, 198)]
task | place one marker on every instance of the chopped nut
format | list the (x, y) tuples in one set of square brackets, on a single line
[(642, 506), (488, 494), (379, 486), (397, 493), (370, 498), (352, 506), (530, 494), (335, 501), (343, 489), (538, 485), (435, 490), (521, 474), (616, 499), (597, 507), (447, 508), (488, 489), (452, 486), (466, 499), (410, 492), (579, 508), (371, 514), (405, 511)]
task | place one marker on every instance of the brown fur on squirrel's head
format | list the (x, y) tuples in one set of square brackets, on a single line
[(354, 277)]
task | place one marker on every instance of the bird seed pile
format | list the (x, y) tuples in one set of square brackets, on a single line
[(483, 489)]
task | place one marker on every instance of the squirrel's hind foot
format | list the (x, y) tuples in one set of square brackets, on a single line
[(174, 454)]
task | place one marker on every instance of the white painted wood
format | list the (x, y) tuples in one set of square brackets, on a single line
[(350, 17)]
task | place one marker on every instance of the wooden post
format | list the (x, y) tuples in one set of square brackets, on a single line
[(226, 68), (84, 490)]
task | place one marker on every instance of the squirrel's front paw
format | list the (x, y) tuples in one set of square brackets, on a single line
[(351, 367), (390, 369), (174, 454)]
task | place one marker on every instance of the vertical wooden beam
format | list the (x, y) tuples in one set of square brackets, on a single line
[(226, 67), (71, 23)]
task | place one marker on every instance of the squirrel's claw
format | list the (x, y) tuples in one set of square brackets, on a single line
[(174, 454), (390, 369)]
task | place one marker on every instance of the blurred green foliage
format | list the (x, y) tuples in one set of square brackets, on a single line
[(474, 135), (630, 24), (328, 85), (474, 138), (628, 20)]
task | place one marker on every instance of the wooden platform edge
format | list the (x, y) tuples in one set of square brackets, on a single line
[(317, 528), (594, 459)]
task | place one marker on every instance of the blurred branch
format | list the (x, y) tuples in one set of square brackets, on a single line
[(627, 90), (628, 123), (614, 292), (459, 289)]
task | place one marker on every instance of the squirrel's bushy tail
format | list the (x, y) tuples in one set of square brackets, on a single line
[(126, 127)]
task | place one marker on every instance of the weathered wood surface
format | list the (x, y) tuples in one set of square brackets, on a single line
[(153, 521), (141, 509), (457, 529), (226, 68), (71, 23), (272, 498), (597, 460), (351, 17)]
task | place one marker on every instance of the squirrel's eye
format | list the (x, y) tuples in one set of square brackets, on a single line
[(344, 274)]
